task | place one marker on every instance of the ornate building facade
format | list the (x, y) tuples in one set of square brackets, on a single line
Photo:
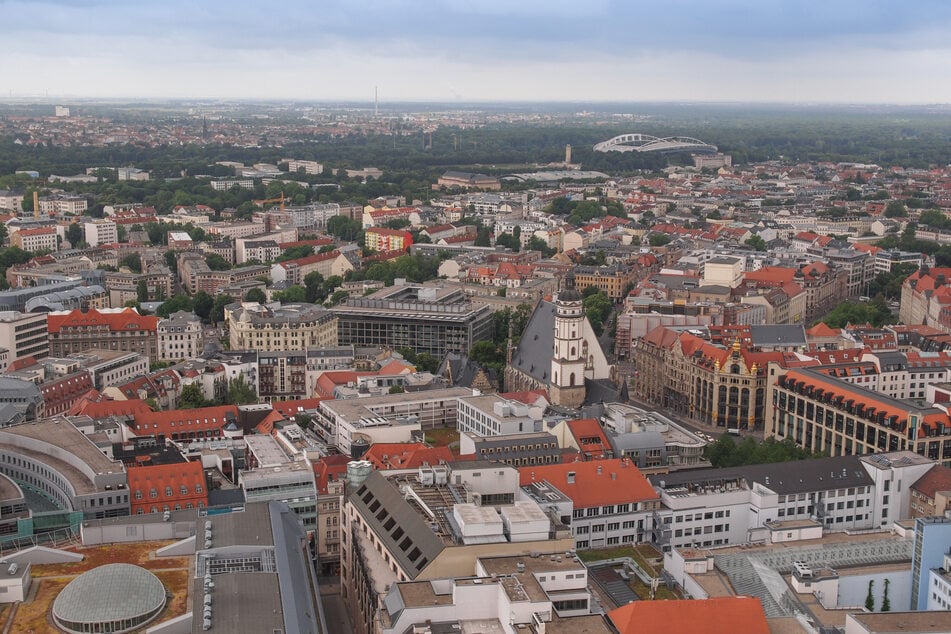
[(709, 384)]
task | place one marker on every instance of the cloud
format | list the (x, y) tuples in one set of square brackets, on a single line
[(480, 49)]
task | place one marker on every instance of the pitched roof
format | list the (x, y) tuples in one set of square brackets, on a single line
[(594, 483), (183, 420), (409, 455), (119, 321), (590, 437), (719, 615), (89, 405), (161, 477), (938, 478), (533, 353)]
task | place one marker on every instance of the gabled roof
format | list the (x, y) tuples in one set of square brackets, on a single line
[(120, 321), (89, 405), (183, 420), (719, 615), (593, 483)]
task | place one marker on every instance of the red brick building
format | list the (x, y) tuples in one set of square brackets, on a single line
[(155, 488)]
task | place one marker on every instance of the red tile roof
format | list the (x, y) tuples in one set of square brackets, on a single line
[(590, 438), (408, 455), (329, 469), (94, 405), (290, 409), (208, 420), (126, 320), (720, 615), (596, 483), (529, 397), (167, 480), (310, 259), (937, 479)]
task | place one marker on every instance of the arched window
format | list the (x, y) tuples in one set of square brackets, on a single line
[(571, 380), (573, 352)]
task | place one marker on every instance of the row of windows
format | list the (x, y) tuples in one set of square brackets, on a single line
[(183, 490), (709, 515), (702, 530)]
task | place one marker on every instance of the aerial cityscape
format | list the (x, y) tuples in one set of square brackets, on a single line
[(417, 318)]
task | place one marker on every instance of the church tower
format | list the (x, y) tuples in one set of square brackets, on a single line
[(569, 354)]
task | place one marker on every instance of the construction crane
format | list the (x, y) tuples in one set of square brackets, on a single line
[(261, 203)]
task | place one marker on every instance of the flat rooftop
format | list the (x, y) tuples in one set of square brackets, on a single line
[(355, 409), (241, 602), (266, 451), (894, 622), (59, 433)]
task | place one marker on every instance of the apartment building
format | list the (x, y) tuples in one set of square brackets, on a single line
[(391, 540), (24, 335), (327, 264), (61, 204), (285, 327), (604, 502), (384, 240), (100, 231), (35, 239), (282, 375), (116, 329), (612, 280), (179, 337), (820, 413), (387, 418)]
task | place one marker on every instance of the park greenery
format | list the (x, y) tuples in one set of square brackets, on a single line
[(874, 312), (727, 452)]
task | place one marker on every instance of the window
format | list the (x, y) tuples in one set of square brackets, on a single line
[(153, 493)]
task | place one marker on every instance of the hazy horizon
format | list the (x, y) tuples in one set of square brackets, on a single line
[(456, 51)]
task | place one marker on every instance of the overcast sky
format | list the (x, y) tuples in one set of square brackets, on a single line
[(877, 51)]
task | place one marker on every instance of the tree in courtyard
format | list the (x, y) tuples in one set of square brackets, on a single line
[(202, 304), (142, 291), (133, 262), (240, 392), (756, 242), (74, 233), (870, 598), (191, 397), (255, 295), (218, 308), (177, 303)]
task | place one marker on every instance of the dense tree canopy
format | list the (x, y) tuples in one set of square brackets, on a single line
[(873, 312), (726, 452)]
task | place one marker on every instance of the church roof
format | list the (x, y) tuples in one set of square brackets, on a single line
[(533, 354)]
